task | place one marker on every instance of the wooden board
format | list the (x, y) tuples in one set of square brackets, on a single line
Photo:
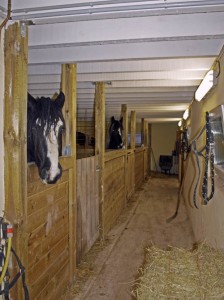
[(139, 167), (114, 189), (130, 178), (48, 235), (87, 230)]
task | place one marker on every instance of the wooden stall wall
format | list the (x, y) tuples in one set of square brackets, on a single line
[(87, 230), (130, 174), (114, 187), (140, 166), (48, 233)]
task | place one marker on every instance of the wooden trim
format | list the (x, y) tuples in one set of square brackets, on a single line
[(112, 154)]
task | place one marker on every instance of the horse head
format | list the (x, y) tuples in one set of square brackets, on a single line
[(45, 124), (115, 132)]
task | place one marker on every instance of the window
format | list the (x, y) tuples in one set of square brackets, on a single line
[(217, 126)]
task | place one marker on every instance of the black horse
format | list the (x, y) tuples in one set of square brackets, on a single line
[(45, 124), (115, 132)]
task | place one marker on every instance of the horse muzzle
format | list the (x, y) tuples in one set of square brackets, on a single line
[(47, 177)]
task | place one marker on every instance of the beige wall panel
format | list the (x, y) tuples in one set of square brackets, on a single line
[(207, 221), (163, 138)]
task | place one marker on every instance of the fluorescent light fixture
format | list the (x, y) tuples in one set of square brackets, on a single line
[(206, 85), (180, 123), (186, 114)]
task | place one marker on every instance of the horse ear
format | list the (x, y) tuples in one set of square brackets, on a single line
[(121, 120), (112, 119), (60, 100), (31, 102)]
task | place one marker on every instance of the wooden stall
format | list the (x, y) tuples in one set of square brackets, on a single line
[(139, 166), (114, 187), (43, 216), (130, 177), (48, 267), (87, 229)]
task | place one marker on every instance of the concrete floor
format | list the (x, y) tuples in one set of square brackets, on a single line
[(142, 223)]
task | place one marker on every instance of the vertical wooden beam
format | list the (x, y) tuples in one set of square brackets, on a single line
[(132, 143), (146, 136), (100, 148), (133, 129), (142, 131), (150, 147), (15, 136), (68, 86), (124, 114)]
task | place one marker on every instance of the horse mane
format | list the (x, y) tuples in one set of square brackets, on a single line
[(46, 113)]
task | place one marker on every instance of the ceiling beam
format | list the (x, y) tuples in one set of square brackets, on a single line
[(128, 30)]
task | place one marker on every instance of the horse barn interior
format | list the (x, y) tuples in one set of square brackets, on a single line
[(142, 62)]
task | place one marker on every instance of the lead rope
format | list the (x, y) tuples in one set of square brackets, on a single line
[(209, 157)]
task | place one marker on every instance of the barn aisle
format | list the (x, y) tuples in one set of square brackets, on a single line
[(143, 222)]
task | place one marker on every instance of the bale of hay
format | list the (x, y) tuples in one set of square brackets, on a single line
[(181, 274)]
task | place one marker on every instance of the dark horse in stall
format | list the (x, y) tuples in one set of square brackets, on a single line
[(45, 124), (115, 132)]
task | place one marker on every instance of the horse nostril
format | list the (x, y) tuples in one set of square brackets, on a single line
[(43, 173)]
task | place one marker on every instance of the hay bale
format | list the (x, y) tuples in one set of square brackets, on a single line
[(181, 274)]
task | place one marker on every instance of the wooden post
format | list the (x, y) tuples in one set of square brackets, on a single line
[(150, 148), (142, 131), (146, 136), (15, 136), (133, 129), (146, 149), (100, 148), (132, 144), (68, 85), (124, 114)]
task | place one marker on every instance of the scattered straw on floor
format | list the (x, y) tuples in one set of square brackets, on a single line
[(181, 274), (85, 270)]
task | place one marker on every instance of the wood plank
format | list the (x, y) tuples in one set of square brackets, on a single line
[(79, 211), (84, 204), (35, 187), (46, 197), (88, 210)]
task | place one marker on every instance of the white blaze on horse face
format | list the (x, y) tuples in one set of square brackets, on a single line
[(52, 150)]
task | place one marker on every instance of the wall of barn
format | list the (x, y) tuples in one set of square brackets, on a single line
[(1, 120), (208, 220), (163, 137)]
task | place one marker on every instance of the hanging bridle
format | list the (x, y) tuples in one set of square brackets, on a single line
[(207, 152), (209, 159)]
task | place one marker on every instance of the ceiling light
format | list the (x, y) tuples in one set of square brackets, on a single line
[(206, 85), (180, 123), (186, 114)]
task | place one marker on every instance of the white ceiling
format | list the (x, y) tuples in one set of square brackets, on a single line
[(152, 54)]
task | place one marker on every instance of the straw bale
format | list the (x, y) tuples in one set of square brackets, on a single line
[(181, 274)]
